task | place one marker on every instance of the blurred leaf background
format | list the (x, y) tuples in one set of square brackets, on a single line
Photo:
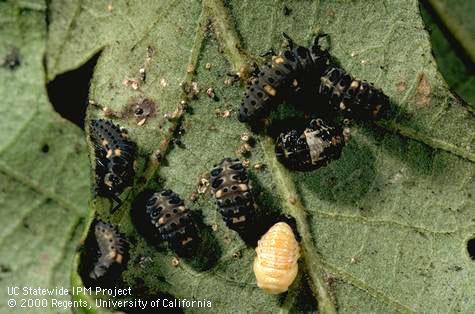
[(452, 30)]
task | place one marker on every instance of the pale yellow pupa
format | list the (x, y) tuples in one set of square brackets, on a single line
[(275, 265)]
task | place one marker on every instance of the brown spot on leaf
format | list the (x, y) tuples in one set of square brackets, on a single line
[(140, 109), (330, 13), (423, 90), (401, 86)]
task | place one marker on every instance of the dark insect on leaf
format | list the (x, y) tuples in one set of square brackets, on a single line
[(354, 98), (230, 186), (173, 221), (115, 156), (289, 72), (319, 144), (112, 248)]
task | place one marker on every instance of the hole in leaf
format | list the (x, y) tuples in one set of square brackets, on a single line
[(45, 148), (471, 248), (68, 92)]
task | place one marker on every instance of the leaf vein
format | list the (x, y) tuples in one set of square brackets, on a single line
[(37, 187)]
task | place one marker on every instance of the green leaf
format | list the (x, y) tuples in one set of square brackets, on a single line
[(384, 228), (457, 15), (450, 64), (44, 183)]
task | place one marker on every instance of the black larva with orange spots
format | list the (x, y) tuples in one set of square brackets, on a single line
[(114, 155), (287, 73), (111, 249), (230, 186), (354, 98), (319, 144), (173, 221)]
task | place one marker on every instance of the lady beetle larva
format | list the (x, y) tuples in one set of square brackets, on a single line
[(230, 186), (111, 249), (354, 98), (287, 72), (275, 265), (115, 156), (319, 144), (174, 222)]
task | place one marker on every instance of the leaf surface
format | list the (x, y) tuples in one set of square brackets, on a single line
[(384, 228), (457, 16), (455, 65), (44, 185)]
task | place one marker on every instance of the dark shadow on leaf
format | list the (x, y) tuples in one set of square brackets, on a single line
[(305, 301), (12, 60), (268, 211), (416, 155), (345, 180), (454, 43), (208, 250)]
